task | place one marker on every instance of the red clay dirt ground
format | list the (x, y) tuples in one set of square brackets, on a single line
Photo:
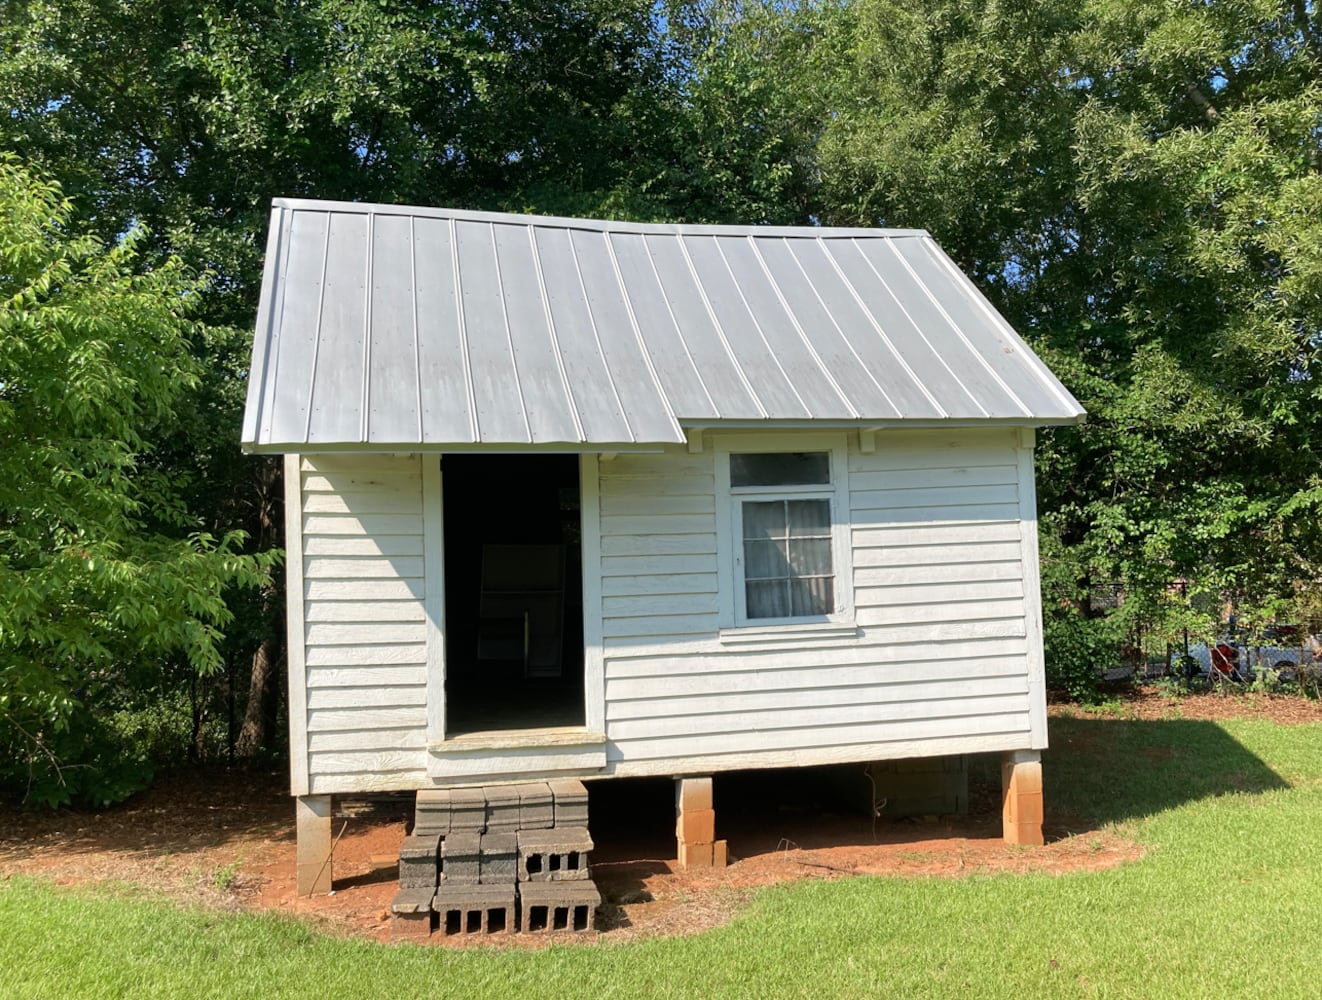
[(225, 840)]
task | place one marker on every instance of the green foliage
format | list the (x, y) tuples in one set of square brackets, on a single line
[(1137, 187), (100, 564), (1077, 651)]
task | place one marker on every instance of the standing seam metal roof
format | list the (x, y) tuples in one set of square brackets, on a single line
[(404, 328)]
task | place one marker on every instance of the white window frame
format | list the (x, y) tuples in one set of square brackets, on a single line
[(735, 624)]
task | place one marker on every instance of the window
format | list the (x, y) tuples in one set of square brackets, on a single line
[(781, 513)]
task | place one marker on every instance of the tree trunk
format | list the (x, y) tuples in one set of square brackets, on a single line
[(255, 732)]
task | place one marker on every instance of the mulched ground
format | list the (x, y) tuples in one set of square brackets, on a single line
[(225, 840)]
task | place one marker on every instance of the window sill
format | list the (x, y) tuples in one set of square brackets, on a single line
[(790, 634)]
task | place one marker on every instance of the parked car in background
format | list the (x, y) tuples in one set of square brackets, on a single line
[(1285, 648)]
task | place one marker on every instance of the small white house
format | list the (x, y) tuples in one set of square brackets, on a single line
[(570, 498)]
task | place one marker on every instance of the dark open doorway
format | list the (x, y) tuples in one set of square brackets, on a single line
[(513, 592)]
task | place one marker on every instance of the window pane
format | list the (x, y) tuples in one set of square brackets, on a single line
[(810, 557), (763, 560), (810, 517), (764, 519), (768, 600), (812, 597), (780, 469)]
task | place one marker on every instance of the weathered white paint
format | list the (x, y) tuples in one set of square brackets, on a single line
[(294, 610), (364, 624), (939, 651), (1037, 680)]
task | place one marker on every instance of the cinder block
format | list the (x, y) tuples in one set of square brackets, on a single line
[(503, 809), (697, 826), (557, 906), (431, 811), (468, 810), (556, 855), (498, 861), (720, 854), (536, 806), (411, 913), (696, 855), (419, 861), (693, 793), (460, 854), (475, 909), (571, 802)]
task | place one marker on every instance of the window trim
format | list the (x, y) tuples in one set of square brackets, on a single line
[(734, 622)]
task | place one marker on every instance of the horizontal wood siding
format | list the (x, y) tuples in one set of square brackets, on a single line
[(939, 661), (364, 581), (658, 545)]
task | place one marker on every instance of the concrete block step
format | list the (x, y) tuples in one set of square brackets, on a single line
[(556, 855), (550, 907)]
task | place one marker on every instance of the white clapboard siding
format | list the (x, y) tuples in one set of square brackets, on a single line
[(363, 590), (374, 502), (944, 500), (351, 611), (912, 675), (362, 567), (365, 739), (366, 697), (376, 675), (365, 633), (659, 583), (749, 748), (811, 695), (385, 654), (793, 717), (940, 655), (409, 765), (913, 661), (349, 482), (627, 565), (656, 624), (927, 479), (649, 545), (349, 545), (908, 554), (373, 525), (882, 535), (660, 503), (929, 592)]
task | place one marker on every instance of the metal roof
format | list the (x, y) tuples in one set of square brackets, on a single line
[(405, 328)]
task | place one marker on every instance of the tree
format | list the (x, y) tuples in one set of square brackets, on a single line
[(188, 117), (1137, 187), (100, 564)]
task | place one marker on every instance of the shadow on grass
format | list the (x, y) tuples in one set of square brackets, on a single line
[(1101, 770)]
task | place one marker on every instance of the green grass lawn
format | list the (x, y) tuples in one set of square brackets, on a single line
[(1227, 902)]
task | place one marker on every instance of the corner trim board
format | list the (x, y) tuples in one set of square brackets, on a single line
[(296, 637)]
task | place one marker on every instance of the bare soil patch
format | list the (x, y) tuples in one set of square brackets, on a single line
[(1151, 702), (225, 839)]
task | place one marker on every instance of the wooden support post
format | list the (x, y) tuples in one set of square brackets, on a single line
[(695, 825), (313, 830), (1021, 797)]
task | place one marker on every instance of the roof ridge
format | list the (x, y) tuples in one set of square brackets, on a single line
[(599, 225)]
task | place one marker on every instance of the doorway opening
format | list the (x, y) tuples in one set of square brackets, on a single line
[(513, 593)]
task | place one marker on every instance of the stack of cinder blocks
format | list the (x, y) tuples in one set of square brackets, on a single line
[(495, 859)]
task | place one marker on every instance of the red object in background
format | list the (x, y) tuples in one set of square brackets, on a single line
[(1224, 658)]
